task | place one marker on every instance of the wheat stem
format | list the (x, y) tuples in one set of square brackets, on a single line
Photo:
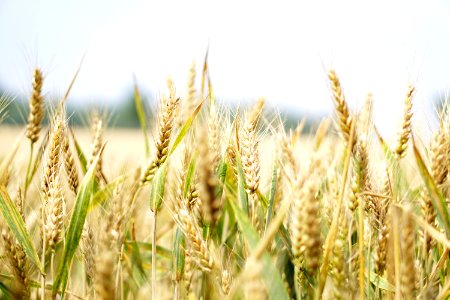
[(27, 174), (154, 215)]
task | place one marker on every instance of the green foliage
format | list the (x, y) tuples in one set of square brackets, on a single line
[(17, 227)]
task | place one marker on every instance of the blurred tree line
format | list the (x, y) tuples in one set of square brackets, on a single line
[(120, 115)]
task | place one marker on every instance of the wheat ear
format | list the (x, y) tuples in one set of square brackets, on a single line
[(344, 119), (17, 261), (96, 145), (53, 157), (405, 130), (210, 204), (407, 263), (202, 255), (69, 165), (36, 104), (166, 122)]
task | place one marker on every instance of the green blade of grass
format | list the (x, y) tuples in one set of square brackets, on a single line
[(221, 174), (178, 254), (189, 177), (137, 264), (243, 197), (273, 188), (80, 153), (262, 199), (75, 228), (157, 192), (270, 275), (162, 253), (393, 163), (141, 115), (17, 226), (381, 282), (184, 130), (101, 195), (5, 292), (38, 158), (436, 197)]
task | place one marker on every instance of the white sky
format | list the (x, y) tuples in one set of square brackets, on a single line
[(276, 49)]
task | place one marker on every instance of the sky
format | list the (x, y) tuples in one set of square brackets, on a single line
[(280, 50)]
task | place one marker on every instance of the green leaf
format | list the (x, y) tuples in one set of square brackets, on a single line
[(75, 228), (17, 227), (101, 195), (147, 247), (381, 282), (243, 197), (270, 274), (393, 163), (80, 153), (5, 292), (178, 254), (436, 197), (141, 115), (157, 192), (38, 158), (221, 174), (262, 199), (136, 262), (286, 239), (189, 177), (273, 189), (184, 130)]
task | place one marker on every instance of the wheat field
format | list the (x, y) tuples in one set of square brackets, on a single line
[(208, 202)]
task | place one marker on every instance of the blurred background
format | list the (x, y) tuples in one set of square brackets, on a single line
[(276, 49)]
